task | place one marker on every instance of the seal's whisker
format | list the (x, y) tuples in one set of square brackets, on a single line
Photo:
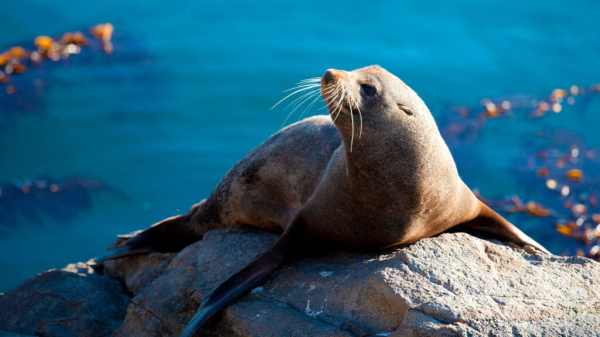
[(297, 99), (304, 87), (334, 109), (306, 97), (329, 93), (341, 89), (311, 80), (339, 106), (312, 85), (292, 94), (337, 114), (314, 81), (330, 87), (359, 114), (352, 119), (309, 106)]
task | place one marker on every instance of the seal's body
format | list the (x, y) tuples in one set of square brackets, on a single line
[(374, 174)]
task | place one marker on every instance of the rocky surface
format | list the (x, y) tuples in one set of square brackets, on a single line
[(74, 301), (454, 284)]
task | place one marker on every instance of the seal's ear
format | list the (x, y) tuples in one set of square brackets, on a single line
[(406, 109)]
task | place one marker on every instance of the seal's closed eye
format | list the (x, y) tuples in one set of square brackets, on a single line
[(368, 90), (406, 109)]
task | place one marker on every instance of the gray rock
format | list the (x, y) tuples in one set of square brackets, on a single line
[(74, 301), (454, 284), (451, 285), (12, 334)]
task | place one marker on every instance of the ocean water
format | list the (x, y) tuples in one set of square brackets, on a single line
[(187, 91)]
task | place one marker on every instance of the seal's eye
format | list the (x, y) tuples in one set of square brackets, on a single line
[(406, 109), (368, 90)]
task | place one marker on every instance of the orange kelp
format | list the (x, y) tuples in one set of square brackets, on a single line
[(16, 60), (564, 172), (557, 171), (60, 200), (460, 124)]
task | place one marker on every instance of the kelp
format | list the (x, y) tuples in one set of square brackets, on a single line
[(38, 200), (557, 171)]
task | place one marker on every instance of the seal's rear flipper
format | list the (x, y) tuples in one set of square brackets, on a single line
[(493, 224), (168, 236), (248, 278), (119, 252), (164, 237)]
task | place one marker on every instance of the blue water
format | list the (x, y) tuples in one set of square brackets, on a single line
[(187, 93)]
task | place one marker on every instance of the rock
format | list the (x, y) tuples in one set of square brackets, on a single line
[(12, 334), (74, 301), (454, 284)]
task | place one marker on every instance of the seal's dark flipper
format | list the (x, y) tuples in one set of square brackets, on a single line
[(168, 236), (248, 278), (493, 224), (164, 237), (119, 252)]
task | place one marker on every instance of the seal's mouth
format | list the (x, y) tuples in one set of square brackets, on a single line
[(340, 99), (335, 93)]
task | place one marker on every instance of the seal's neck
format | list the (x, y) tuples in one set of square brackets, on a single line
[(410, 158)]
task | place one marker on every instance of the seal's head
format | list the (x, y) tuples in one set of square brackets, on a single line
[(365, 102), (388, 134), (370, 88)]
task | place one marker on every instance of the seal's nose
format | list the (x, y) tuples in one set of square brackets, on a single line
[(329, 76), (332, 75)]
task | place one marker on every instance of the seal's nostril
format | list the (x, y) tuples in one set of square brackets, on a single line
[(330, 76)]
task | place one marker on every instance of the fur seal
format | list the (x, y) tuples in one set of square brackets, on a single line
[(374, 174)]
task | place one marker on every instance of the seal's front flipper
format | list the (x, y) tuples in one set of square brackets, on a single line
[(248, 278), (493, 224), (168, 236)]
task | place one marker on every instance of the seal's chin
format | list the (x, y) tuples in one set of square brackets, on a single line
[(338, 109)]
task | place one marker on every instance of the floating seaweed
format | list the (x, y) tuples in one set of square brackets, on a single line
[(462, 124), (19, 92), (559, 173), (560, 170), (16, 60), (60, 200), (131, 63)]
